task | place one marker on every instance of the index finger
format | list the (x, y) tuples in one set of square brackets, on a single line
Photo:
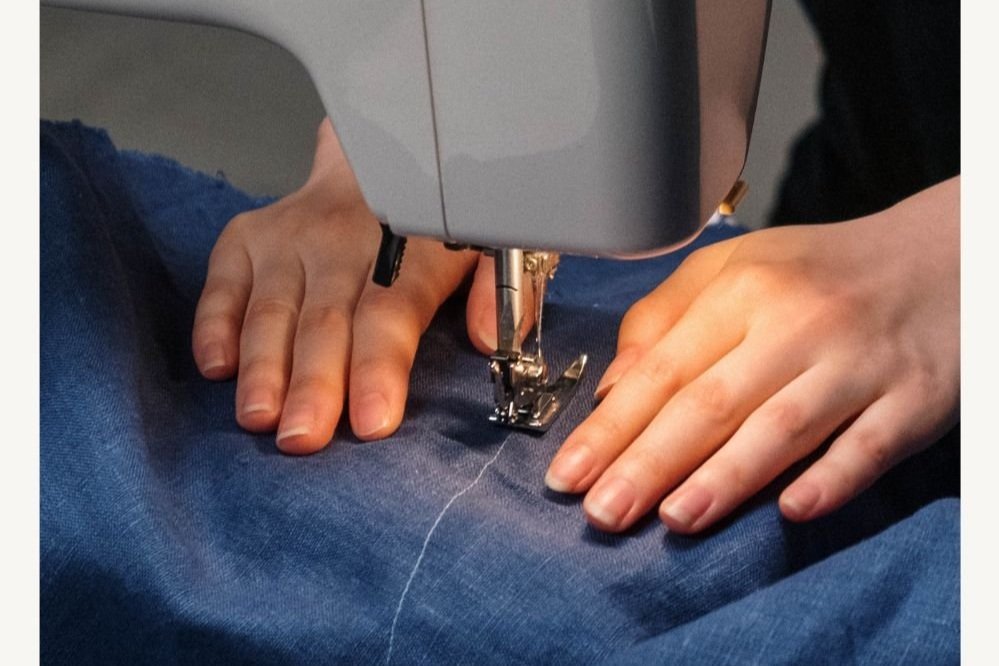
[(702, 336), (387, 327), (653, 315)]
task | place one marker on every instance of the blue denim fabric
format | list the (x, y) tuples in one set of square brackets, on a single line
[(169, 535)]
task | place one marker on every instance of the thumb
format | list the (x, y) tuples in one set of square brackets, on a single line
[(480, 314)]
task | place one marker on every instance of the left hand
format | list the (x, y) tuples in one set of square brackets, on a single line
[(759, 349)]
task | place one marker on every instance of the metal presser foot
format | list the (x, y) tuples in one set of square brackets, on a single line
[(524, 396)]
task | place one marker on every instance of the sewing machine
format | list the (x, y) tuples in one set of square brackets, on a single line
[(595, 127)]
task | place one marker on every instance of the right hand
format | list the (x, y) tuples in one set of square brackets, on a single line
[(289, 305)]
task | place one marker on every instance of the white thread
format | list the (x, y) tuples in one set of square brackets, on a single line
[(426, 542)]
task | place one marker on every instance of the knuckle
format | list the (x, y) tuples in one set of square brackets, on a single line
[(875, 448), (330, 319), (711, 398), (841, 305), (237, 225), (640, 462), (261, 370), (271, 308), (724, 479), (602, 430), (374, 370), (217, 292), (928, 383), (823, 311), (383, 301), (752, 279), (382, 306), (659, 369), (696, 260), (218, 297), (786, 420), (208, 327), (242, 219), (638, 314), (312, 386)]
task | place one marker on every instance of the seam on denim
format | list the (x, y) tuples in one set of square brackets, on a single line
[(426, 542)]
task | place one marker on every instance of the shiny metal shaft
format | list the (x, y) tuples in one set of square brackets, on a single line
[(509, 300)]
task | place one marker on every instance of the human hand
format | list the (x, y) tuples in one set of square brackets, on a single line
[(759, 349), (288, 302)]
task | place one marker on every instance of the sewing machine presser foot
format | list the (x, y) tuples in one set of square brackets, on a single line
[(534, 404), (524, 398)]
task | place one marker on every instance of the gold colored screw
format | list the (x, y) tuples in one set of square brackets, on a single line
[(732, 199)]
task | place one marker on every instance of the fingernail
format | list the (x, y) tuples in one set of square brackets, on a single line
[(688, 507), (258, 400), (611, 503), (569, 468), (370, 415), (297, 423), (798, 502), (613, 373), (213, 357)]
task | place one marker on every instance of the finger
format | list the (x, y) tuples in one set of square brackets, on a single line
[(872, 445), (480, 313), (331, 169), (266, 343), (387, 326), (703, 335), (783, 430), (320, 360), (219, 314), (691, 426), (648, 320)]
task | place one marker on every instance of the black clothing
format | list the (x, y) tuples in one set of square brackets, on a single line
[(890, 109)]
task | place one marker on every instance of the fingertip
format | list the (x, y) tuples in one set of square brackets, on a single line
[(601, 523), (258, 419), (677, 527), (213, 361), (480, 310), (481, 323), (379, 382), (215, 335), (303, 431), (480, 320), (799, 502), (621, 364), (570, 468), (609, 506), (217, 373), (301, 442), (482, 334), (371, 417), (687, 511), (257, 410)]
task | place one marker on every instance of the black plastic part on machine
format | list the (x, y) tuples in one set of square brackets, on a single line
[(389, 259)]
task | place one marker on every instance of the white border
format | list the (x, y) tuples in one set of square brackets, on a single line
[(19, 329), (979, 331)]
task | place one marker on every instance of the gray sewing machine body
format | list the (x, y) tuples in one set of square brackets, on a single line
[(596, 127)]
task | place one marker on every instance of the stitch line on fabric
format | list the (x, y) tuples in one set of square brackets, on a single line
[(426, 543)]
